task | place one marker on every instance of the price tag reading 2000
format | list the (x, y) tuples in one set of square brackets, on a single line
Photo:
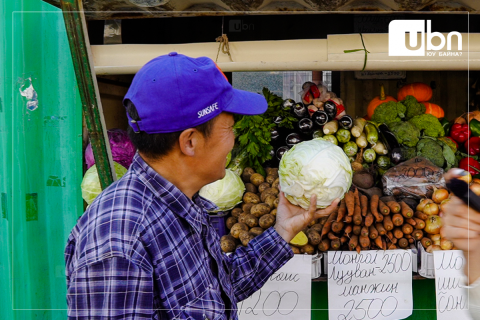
[(370, 285)]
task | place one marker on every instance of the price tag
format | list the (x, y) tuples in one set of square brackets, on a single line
[(452, 300), (370, 285), (286, 295)]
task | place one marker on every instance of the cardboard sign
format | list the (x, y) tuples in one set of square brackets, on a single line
[(372, 284), (285, 296), (452, 300)]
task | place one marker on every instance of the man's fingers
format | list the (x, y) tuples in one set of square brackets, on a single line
[(328, 210), (312, 208), (456, 233), (453, 173)]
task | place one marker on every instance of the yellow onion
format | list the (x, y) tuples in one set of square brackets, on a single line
[(446, 244), (437, 242), (431, 209), (467, 178), (433, 247), (443, 203), (476, 180), (423, 203), (433, 224), (439, 195), (435, 237), (475, 187)]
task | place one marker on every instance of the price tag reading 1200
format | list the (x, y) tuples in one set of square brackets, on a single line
[(370, 285)]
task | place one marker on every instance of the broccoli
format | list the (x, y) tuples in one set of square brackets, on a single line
[(431, 150), (405, 132), (408, 153), (389, 112), (429, 125), (414, 108)]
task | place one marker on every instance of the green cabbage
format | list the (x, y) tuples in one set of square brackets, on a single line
[(91, 184), (315, 167), (225, 193)]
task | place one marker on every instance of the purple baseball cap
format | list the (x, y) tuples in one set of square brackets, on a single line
[(175, 92)]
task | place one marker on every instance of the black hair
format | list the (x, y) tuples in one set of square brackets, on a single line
[(157, 145)]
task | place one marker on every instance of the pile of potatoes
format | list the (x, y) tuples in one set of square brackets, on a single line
[(257, 211)]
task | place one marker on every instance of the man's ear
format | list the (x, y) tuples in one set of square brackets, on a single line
[(189, 141)]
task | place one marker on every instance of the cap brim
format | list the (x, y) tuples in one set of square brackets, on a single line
[(246, 103)]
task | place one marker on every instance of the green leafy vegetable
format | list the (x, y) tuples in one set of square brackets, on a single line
[(275, 109)]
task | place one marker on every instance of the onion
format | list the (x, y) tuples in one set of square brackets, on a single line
[(446, 244), (475, 187), (431, 209), (437, 242), (435, 237), (443, 203), (433, 247), (433, 224), (467, 178), (439, 195), (423, 203)]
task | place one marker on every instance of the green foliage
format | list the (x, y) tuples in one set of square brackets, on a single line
[(275, 109), (389, 112), (405, 132), (429, 125), (414, 108)]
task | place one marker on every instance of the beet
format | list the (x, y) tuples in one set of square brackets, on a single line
[(371, 192), (363, 179)]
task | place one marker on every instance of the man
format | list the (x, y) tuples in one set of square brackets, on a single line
[(145, 248)]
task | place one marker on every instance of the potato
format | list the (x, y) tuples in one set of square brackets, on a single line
[(250, 187), (267, 192), (275, 203), (266, 221), (246, 238), (270, 199), (276, 183), (228, 237), (227, 245), (263, 186), (260, 209), (256, 231), (251, 220), (295, 249), (242, 234), (247, 172), (236, 212), (270, 179), (250, 197), (230, 222), (237, 228), (317, 227), (246, 207), (257, 179), (313, 237), (308, 249), (272, 172), (273, 212), (243, 217), (312, 223)]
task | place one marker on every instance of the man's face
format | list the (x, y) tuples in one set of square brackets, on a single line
[(213, 156)]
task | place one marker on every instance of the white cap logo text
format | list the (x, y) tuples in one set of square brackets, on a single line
[(208, 110)]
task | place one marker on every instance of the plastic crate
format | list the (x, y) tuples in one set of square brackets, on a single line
[(317, 265), (427, 268), (218, 222)]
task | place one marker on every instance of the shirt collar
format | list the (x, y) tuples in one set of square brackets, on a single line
[(193, 210)]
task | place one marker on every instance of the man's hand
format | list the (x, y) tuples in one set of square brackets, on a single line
[(292, 219)]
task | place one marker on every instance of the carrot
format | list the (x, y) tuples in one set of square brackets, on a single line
[(364, 204), (358, 248), (411, 221), (348, 229), (348, 219), (353, 242), (381, 230), (364, 232), (357, 230), (374, 207), (403, 243), (420, 223), (332, 236), (343, 239), (394, 240), (357, 216), (397, 219), (411, 240), (387, 223), (337, 226), (384, 209), (335, 244), (407, 212), (324, 245), (407, 228), (364, 242), (379, 242), (372, 232), (342, 210), (392, 246), (421, 215), (390, 235), (417, 234), (369, 219), (328, 224), (350, 202), (426, 242), (357, 196), (397, 233), (408, 236), (384, 244), (394, 206)]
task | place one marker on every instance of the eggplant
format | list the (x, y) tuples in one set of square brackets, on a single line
[(293, 139), (396, 156), (320, 117), (274, 134), (281, 151), (330, 108), (300, 111), (346, 122), (288, 103), (272, 153), (305, 125), (277, 119), (391, 143)]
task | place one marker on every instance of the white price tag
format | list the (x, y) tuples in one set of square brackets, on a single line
[(286, 295), (370, 285)]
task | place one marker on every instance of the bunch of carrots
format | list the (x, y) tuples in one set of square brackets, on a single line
[(360, 223)]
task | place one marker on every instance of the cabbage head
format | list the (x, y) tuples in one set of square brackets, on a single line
[(315, 167), (225, 193), (91, 184)]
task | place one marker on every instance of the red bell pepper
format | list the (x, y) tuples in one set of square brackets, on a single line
[(470, 165), (473, 146), (460, 132)]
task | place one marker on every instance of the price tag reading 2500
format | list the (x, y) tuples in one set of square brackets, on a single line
[(370, 285)]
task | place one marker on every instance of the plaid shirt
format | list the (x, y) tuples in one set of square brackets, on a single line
[(144, 250)]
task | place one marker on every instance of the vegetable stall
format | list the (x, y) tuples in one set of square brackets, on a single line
[(373, 145)]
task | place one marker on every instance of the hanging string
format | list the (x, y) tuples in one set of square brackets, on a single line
[(223, 45)]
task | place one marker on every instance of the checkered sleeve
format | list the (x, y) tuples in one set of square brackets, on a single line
[(254, 264), (113, 288)]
